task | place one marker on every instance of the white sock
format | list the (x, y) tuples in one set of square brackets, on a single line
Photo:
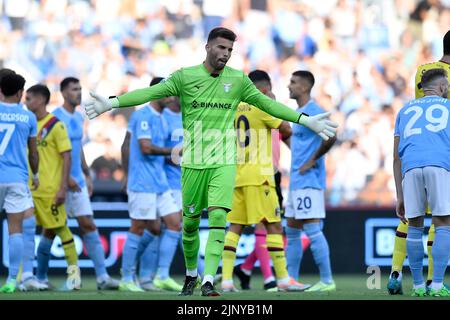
[(284, 281), (415, 287), (26, 275), (208, 278), (247, 272), (437, 286), (192, 273), (102, 278), (227, 283), (269, 279)]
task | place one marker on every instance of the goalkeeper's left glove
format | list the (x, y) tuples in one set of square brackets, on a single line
[(320, 124), (99, 105)]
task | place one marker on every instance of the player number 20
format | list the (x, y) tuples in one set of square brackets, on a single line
[(435, 123), (9, 127), (304, 203)]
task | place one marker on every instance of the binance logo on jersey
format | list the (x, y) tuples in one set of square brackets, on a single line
[(211, 105)]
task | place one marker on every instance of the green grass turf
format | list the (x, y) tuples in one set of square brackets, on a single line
[(349, 287)]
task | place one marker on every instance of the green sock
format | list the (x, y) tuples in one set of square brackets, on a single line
[(191, 240), (216, 240)]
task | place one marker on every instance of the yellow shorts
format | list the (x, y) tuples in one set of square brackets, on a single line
[(48, 215), (252, 204)]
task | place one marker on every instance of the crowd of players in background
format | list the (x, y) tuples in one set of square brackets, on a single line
[(377, 44), (60, 187)]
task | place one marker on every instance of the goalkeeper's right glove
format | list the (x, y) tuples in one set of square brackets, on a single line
[(320, 124), (99, 105)]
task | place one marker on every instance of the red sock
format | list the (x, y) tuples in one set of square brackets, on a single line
[(262, 254), (249, 262)]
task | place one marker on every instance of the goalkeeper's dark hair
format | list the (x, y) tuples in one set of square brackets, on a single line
[(446, 42), (221, 32), (66, 81), (259, 76), (41, 90), (11, 83), (156, 80), (431, 75), (304, 74)]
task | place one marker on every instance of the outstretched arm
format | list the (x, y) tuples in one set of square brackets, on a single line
[(319, 123), (166, 88)]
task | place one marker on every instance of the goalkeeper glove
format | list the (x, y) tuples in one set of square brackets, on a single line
[(99, 105), (320, 124)]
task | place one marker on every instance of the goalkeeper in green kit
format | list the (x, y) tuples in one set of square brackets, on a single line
[(209, 94)]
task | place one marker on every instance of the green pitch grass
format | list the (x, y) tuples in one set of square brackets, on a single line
[(349, 287)]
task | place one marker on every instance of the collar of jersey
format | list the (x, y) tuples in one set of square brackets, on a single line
[(310, 101), (208, 73), (172, 112), (9, 104), (156, 113), (67, 112)]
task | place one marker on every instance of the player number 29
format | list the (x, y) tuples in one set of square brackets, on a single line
[(304, 203), (435, 123)]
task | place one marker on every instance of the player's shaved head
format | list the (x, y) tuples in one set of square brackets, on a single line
[(307, 76), (433, 76), (40, 90), (259, 76), (435, 82), (66, 82), (446, 42), (262, 82)]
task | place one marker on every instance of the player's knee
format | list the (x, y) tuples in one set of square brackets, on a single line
[(217, 219), (173, 222), (154, 228), (49, 234), (190, 224), (274, 228), (87, 224)]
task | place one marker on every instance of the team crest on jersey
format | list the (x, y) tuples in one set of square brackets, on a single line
[(266, 192), (43, 133), (191, 208), (227, 87)]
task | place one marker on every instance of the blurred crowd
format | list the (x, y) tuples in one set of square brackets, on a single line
[(363, 53)]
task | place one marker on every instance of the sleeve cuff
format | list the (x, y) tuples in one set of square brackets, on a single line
[(114, 102)]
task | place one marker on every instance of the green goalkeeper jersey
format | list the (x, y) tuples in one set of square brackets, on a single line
[(208, 105)]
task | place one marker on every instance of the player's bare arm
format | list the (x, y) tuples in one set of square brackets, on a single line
[(125, 155), (148, 148), (60, 197), (400, 208), (33, 159), (325, 146), (86, 173)]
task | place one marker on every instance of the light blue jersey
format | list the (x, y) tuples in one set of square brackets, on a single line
[(74, 125), (424, 132), (175, 137), (17, 125), (146, 172), (304, 143)]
